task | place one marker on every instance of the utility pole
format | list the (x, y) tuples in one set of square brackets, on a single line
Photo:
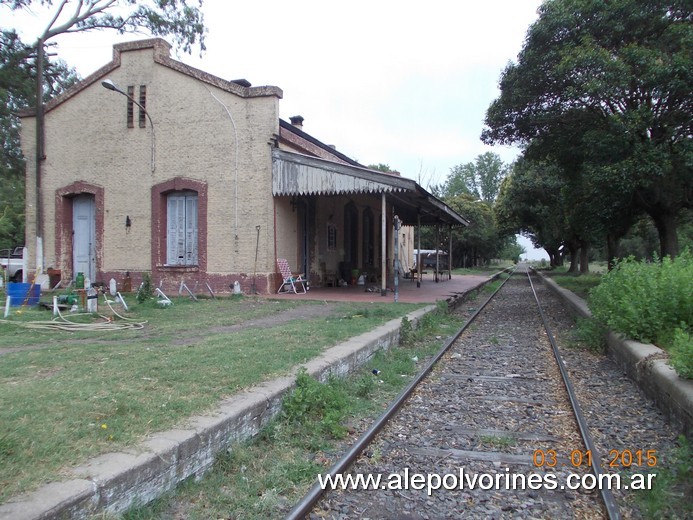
[(40, 156)]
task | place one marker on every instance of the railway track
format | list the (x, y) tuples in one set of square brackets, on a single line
[(490, 423)]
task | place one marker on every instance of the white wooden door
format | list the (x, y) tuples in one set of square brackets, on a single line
[(84, 236)]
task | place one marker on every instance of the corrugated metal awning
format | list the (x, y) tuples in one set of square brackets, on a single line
[(300, 175), (295, 174)]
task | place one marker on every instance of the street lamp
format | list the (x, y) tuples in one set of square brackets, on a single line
[(108, 84)]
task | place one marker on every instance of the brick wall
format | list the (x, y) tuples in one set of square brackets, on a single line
[(205, 130)]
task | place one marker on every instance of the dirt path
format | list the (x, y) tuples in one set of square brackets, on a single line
[(273, 320)]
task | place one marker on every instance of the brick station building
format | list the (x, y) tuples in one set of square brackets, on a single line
[(195, 178)]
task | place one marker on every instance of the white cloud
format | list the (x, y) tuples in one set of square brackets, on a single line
[(531, 252)]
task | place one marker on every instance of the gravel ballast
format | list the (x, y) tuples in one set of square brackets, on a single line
[(493, 401)]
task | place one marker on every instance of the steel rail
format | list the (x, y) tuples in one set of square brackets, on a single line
[(612, 509), (306, 504)]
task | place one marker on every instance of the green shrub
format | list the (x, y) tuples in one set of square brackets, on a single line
[(590, 334), (580, 285), (405, 331), (670, 494), (682, 353), (364, 386), (146, 290), (646, 301), (492, 286), (312, 400)]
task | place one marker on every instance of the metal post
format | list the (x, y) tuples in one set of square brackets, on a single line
[(40, 138), (437, 250), (383, 246), (450, 252), (253, 289), (418, 256), (396, 261)]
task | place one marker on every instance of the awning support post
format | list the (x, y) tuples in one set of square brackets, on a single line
[(437, 251), (450, 253), (418, 245), (396, 260), (383, 247)]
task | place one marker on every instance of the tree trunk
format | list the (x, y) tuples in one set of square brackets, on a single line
[(553, 253), (665, 223), (557, 257), (612, 246), (584, 258), (573, 249)]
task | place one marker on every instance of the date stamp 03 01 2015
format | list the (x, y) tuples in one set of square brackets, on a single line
[(617, 459)]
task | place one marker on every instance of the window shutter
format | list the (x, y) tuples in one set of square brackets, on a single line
[(181, 233), (176, 230), (191, 230)]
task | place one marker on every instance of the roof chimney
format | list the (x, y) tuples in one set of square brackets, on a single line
[(297, 121), (242, 82)]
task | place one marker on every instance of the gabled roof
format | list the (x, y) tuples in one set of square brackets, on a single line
[(309, 145), (162, 56)]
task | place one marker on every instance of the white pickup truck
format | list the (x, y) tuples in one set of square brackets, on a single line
[(12, 262)]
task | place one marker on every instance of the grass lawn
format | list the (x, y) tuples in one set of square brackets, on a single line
[(481, 270), (67, 396), (580, 284), (264, 477)]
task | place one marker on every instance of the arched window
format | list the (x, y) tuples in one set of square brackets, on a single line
[(179, 224)]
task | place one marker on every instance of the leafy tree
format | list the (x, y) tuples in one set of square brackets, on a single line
[(598, 201), (174, 18), (609, 83), (511, 249), (477, 243), (13, 89), (470, 189), (641, 241), (480, 178), (531, 202), (17, 84), (558, 210), (382, 167)]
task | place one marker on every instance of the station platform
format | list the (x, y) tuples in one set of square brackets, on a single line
[(428, 291)]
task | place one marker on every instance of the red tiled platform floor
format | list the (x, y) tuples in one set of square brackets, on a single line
[(428, 292)]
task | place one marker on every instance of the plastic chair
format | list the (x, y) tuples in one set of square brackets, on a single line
[(290, 281)]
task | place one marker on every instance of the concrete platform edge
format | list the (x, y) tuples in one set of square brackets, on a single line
[(645, 364), (114, 482)]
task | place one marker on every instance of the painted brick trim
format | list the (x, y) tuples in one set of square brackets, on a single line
[(161, 56), (159, 224), (63, 225)]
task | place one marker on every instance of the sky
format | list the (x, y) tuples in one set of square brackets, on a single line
[(401, 83)]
